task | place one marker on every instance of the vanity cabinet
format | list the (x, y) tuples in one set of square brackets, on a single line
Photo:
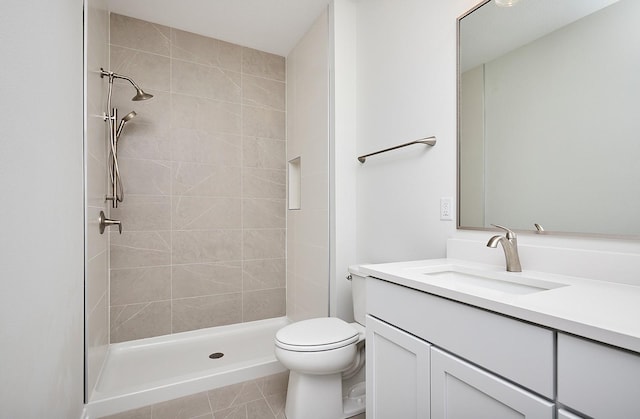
[(411, 337), (598, 380), (398, 366), (460, 390)]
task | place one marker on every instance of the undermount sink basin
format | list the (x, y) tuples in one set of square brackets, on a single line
[(509, 283)]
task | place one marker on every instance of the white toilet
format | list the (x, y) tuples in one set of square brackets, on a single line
[(326, 359)]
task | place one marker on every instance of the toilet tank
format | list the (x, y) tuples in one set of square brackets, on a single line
[(358, 293)]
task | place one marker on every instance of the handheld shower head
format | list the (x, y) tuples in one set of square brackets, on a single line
[(128, 117)]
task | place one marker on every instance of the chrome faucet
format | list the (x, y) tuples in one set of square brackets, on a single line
[(509, 244)]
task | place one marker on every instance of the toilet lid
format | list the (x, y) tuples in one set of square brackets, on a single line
[(316, 335)]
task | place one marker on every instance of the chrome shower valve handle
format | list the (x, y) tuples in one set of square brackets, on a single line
[(104, 222)]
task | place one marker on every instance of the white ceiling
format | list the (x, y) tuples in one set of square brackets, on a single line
[(268, 25)]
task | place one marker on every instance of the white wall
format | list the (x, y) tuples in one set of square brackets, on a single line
[(343, 165), (308, 138), (41, 249), (406, 89)]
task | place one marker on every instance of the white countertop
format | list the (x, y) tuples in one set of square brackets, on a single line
[(603, 311)]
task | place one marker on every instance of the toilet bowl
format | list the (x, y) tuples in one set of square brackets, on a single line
[(325, 357)]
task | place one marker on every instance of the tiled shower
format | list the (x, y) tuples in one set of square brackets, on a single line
[(203, 165)]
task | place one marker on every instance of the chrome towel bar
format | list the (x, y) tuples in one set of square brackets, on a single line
[(430, 141)]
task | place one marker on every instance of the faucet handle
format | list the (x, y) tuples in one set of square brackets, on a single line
[(510, 234), (104, 222)]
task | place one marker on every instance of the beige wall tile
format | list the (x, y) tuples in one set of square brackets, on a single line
[(263, 183), (203, 50), (155, 111), (263, 304), (145, 177), (97, 130), (97, 279), (263, 153), (199, 146), (96, 242), (144, 213), (205, 213), (140, 285), (263, 274), (206, 246), (205, 114), (206, 148), (205, 81), (313, 227), (193, 182), (263, 64), (264, 244), (137, 321), (207, 311), (139, 34), (263, 213), (311, 264), (149, 71), (263, 93), (318, 187), (262, 122), (206, 279), (98, 327), (312, 298), (139, 249), (193, 179), (144, 141)]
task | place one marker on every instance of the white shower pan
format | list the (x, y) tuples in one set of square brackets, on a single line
[(153, 370)]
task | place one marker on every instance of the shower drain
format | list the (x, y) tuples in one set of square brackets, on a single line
[(216, 355)]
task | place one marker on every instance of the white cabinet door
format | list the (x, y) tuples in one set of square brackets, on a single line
[(460, 390), (397, 373), (598, 380)]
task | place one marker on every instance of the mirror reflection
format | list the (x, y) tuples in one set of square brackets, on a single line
[(549, 120)]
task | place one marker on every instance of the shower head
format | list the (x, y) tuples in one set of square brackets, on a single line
[(140, 94), (128, 117)]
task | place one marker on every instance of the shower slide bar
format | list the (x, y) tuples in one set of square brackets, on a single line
[(430, 141), (115, 129)]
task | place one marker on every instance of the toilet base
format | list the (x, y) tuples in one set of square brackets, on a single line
[(319, 397)]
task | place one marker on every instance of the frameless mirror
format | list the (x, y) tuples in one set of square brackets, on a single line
[(549, 116)]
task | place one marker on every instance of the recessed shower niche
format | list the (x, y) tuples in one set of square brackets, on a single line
[(294, 183)]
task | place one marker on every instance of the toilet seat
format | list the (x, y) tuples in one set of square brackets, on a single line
[(316, 335)]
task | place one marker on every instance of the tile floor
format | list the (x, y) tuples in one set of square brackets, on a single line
[(262, 398)]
